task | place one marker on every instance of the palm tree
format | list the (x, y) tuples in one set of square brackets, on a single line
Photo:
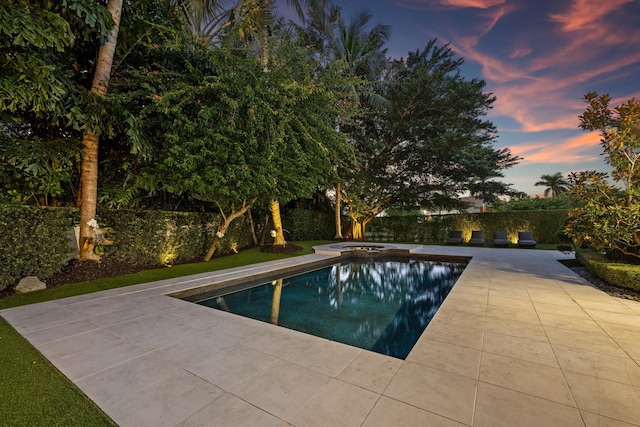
[(90, 141), (361, 50), (555, 184)]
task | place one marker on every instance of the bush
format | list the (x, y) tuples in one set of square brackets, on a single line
[(615, 273), (161, 237), (304, 224), (34, 241), (547, 226)]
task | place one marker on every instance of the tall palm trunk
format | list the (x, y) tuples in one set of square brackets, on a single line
[(338, 213), (90, 142), (278, 239)]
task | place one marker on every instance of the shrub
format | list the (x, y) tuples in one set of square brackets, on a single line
[(37, 241), (304, 224), (547, 226), (34, 241), (614, 273), (161, 237)]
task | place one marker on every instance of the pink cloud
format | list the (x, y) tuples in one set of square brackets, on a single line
[(573, 150), (521, 52), (540, 86), (480, 4), (586, 14), (441, 4)]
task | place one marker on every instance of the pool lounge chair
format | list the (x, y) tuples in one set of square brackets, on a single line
[(500, 238), (525, 239), (477, 238), (455, 237)]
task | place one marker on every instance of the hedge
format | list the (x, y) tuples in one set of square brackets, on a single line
[(36, 241), (304, 224), (614, 273), (547, 226)]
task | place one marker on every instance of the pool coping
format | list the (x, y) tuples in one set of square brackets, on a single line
[(512, 343)]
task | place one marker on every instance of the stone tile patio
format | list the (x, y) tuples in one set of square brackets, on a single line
[(520, 341)]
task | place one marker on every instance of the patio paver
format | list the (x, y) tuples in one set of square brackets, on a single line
[(520, 340)]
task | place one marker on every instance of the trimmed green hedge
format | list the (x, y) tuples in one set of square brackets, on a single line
[(547, 226), (37, 241), (304, 224), (615, 273), (34, 241), (159, 237)]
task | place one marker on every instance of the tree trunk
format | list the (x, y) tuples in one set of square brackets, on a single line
[(265, 230), (222, 230), (254, 238), (278, 239), (89, 182), (90, 141), (275, 303), (357, 228), (338, 213)]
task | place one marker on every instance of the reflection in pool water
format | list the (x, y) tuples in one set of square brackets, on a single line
[(382, 305)]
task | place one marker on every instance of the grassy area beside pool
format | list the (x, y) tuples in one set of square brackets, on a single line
[(35, 393)]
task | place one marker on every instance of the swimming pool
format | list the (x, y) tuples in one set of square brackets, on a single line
[(380, 304)]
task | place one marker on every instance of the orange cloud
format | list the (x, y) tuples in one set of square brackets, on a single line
[(577, 149), (480, 4), (586, 14), (440, 4)]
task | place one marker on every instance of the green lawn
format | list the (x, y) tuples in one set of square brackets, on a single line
[(35, 393)]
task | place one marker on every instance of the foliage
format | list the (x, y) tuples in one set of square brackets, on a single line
[(159, 237), (546, 226), (34, 241), (614, 273), (33, 171), (431, 145), (47, 52), (555, 184), (207, 131), (305, 224), (562, 201), (37, 40), (607, 217)]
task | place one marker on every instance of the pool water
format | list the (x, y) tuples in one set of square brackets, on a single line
[(382, 305)]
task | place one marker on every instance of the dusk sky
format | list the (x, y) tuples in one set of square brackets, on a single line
[(538, 57)]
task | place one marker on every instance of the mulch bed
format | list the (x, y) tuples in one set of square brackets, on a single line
[(281, 249), (77, 271)]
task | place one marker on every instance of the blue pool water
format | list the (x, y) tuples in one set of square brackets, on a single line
[(382, 305)]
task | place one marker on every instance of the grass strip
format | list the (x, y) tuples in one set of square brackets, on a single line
[(35, 393)]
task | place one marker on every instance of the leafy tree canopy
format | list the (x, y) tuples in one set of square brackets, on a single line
[(608, 217), (212, 125), (432, 145), (47, 52)]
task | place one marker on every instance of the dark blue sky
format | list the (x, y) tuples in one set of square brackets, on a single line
[(539, 57)]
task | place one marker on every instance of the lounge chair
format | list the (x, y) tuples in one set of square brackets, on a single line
[(525, 239), (477, 238), (455, 237), (500, 238)]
